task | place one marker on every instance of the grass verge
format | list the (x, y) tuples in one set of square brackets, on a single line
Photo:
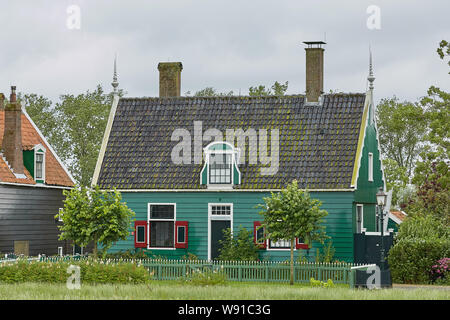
[(173, 290)]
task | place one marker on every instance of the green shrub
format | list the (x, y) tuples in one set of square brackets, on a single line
[(326, 254), (317, 283), (411, 259), (92, 272), (205, 277), (239, 247)]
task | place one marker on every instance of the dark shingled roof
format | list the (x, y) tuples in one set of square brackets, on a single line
[(317, 142)]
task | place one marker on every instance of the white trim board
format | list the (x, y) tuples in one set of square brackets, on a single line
[(148, 223), (218, 217), (101, 155)]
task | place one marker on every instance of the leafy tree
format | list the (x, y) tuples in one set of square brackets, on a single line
[(239, 246), (396, 179), (92, 215), (211, 92), (277, 89), (432, 195), (292, 214), (74, 127), (402, 127), (444, 50)]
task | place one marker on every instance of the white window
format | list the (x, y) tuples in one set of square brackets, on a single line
[(39, 163), (280, 244), (60, 251), (162, 225), (220, 168), (220, 210), (370, 167), (359, 218), (60, 219)]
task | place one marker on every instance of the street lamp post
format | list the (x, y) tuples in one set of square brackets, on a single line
[(381, 201)]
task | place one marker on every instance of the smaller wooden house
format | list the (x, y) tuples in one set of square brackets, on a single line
[(32, 180)]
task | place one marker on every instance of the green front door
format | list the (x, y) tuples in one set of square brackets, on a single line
[(217, 227)]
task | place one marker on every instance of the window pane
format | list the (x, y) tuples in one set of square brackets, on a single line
[(180, 234), (260, 235), (220, 168), (161, 211), (140, 232), (280, 244), (221, 210), (161, 234)]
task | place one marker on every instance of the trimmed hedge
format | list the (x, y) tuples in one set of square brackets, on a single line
[(92, 272), (411, 259)]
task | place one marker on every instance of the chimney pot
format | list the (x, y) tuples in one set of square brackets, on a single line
[(12, 97), (170, 79)]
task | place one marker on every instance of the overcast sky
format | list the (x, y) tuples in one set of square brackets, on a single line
[(228, 45)]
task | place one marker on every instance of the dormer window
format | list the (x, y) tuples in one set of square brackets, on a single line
[(39, 163), (220, 169)]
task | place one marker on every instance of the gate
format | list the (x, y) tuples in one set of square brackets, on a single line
[(367, 250)]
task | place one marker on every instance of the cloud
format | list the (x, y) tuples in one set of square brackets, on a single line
[(229, 45)]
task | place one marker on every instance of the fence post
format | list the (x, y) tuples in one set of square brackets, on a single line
[(240, 272), (352, 278)]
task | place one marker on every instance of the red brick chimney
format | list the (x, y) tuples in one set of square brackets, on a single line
[(12, 134)]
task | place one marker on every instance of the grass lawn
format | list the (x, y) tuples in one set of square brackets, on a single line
[(173, 290)]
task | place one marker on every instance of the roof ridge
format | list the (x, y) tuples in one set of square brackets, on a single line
[(241, 96)]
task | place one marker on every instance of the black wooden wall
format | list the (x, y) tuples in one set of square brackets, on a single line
[(27, 213)]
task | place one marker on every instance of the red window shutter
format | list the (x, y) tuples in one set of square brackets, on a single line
[(256, 225), (300, 245), (140, 234), (181, 234)]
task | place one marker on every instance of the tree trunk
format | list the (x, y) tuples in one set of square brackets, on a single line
[(95, 248), (292, 262)]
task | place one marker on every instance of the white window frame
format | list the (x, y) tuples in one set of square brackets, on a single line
[(60, 219), (136, 231), (60, 251), (170, 220), (362, 218), (234, 163), (35, 149), (370, 167), (218, 217), (178, 233), (278, 249)]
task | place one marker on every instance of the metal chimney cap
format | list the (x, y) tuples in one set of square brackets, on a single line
[(314, 44)]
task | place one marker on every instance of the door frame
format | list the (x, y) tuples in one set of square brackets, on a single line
[(218, 217)]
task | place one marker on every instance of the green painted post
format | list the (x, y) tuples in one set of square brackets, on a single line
[(352, 278), (239, 272)]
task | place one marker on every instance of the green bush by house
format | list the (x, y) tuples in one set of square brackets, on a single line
[(92, 272), (421, 242)]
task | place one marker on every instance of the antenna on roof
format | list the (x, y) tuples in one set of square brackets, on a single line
[(115, 83), (371, 77)]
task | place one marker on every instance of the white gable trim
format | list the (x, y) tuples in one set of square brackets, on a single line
[(101, 154), (49, 145)]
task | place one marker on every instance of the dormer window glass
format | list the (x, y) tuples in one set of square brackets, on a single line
[(39, 166), (220, 168)]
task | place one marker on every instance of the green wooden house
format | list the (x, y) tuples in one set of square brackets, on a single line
[(190, 167)]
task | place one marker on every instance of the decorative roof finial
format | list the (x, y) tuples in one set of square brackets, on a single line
[(371, 77), (115, 84)]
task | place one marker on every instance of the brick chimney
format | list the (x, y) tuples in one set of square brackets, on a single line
[(12, 135), (2, 101), (169, 79), (314, 70)]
